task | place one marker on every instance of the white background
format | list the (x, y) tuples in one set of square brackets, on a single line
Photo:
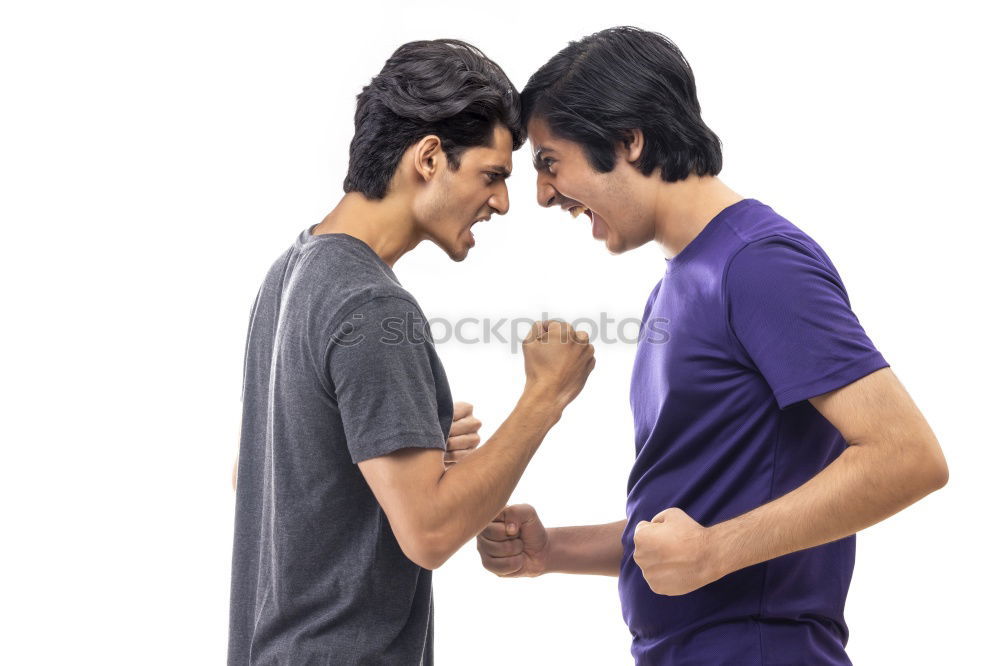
[(155, 160)]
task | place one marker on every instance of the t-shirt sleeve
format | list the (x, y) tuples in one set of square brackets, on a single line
[(381, 364), (789, 312)]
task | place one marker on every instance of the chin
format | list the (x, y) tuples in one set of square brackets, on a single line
[(619, 245), (458, 253), (614, 245), (457, 250)]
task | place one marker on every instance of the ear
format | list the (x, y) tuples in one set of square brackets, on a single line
[(427, 156), (633, 142)]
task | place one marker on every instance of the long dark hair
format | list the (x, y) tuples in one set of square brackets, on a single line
[(620, 79)]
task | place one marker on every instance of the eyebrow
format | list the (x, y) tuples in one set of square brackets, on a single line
[(536, 159), (504, 171)]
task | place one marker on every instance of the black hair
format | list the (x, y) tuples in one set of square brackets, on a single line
[(444, 87), (624, 78)]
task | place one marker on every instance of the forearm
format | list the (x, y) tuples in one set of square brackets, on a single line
[(585, 549), (863, 486), (469, 495)]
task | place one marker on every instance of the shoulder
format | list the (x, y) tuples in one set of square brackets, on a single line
[(769, 267), (380, 301), (378, 314), (347, 280), (774, 252), (772, 248), (758, 228)]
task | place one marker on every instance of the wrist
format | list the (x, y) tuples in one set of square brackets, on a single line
[(550, 553), (539, 400), (720, 551)]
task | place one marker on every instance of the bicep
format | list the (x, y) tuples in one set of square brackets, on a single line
[(403, 482), (876, 411)]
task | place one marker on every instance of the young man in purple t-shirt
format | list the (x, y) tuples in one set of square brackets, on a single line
[(768, 427)]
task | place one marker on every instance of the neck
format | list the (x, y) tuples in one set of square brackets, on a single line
[(385, 225), (686, 207)]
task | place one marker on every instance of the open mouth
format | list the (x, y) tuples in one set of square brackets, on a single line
[(598, 228), (472, 236)]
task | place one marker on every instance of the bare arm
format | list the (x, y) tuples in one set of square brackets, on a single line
[(516, 544), (893, 459), (434, 510), (586, 549)]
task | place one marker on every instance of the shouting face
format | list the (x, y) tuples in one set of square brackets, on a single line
[(612, 201), (455, 200)]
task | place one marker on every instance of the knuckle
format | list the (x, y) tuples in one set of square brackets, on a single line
[(522, 510)]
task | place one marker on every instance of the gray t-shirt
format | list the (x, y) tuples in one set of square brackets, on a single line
[(339, 368)]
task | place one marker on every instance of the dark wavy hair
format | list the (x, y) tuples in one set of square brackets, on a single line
[(620, 79), (444, 87)]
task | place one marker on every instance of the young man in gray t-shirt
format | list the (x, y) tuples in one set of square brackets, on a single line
[(344, 498)]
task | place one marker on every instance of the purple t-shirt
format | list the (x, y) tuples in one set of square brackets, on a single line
[(749, 321)]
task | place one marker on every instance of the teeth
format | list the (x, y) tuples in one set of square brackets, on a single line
[(576, 210)]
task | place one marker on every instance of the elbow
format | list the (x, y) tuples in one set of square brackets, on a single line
[(425, 548), (425, 538), (933, 471), (429, 561), (938, 476), (424, 554)]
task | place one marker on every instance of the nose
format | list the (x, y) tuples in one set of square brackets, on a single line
[(546, 193), (499, 201)]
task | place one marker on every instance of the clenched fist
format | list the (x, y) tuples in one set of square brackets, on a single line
[(674, 553), (557, 360), (515, 544), (464, 435)]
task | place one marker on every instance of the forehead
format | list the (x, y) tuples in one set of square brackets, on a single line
[(500, 153), (543, 141), (538, 132)]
